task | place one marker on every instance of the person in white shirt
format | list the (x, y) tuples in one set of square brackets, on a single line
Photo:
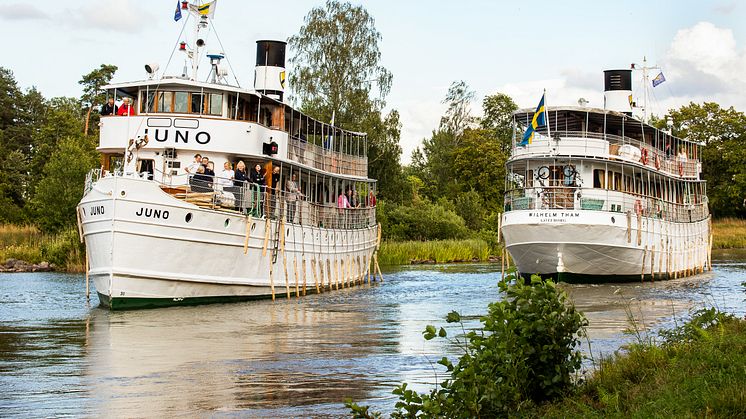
[(225, 178), (192, 168)]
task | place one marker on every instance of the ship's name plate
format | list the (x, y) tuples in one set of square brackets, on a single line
[(553, 216)]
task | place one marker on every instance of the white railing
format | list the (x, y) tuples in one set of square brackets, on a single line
[(321, 158), (577, 198), (255, 200), (610, 146)]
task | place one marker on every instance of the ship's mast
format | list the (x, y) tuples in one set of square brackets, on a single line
[(198, 41), (645, 84)]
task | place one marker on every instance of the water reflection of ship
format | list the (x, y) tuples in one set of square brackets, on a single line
[(225, 358)]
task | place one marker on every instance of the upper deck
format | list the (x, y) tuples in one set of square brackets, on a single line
[(579, 132), (194, 116)]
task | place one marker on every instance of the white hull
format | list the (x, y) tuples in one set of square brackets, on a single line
[(141, 247), (573, 244)]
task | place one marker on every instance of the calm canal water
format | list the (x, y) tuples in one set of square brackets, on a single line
[(304, 357)]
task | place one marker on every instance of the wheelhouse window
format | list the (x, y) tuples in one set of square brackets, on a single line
[(197, 103), (165, 102), (181, 102), (149, 103), (216, 104)]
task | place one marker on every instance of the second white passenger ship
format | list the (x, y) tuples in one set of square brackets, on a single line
[(162, 228), (599, 195)]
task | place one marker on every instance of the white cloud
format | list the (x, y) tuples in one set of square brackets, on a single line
[(112, 16), (16, 11)]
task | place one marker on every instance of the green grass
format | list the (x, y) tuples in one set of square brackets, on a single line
[(28, 244), (729, 233), (703, 375), (439, 251)]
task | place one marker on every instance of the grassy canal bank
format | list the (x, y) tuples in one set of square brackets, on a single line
[(63, 249), (697, 370), (525, 361)]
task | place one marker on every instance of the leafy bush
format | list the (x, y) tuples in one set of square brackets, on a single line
[(526, 352), (423, 220), (63, 249), (22, 252)]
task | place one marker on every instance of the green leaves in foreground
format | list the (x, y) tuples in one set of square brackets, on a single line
[(525, 352)]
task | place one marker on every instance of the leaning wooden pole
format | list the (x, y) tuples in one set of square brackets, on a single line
[(284, 258), (315, 276), (303, 268), (267, 228), (271, 279), (246, 237), (295, 272)]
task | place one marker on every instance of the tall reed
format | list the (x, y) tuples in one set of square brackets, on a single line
[(438, 251), (729, 233), (30, 245)]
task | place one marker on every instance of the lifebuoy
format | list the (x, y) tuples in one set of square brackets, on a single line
[(657, 162), (644, 156), (681, 168), (638, 207)]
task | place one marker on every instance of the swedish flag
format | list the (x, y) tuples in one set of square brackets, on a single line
[(539, 119)]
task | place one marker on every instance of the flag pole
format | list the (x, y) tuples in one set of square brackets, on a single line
[(546, 114)]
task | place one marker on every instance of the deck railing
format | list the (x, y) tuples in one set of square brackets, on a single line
[(325, 159), (255, 200), (655, 158), (578, 198)]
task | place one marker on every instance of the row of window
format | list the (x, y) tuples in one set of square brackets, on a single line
[(184, 102), (674, 192)]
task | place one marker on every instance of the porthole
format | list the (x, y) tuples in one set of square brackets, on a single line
[(227, 222), (123, 193), (253, 226), (188, 217), (288, 233), (613, 220)]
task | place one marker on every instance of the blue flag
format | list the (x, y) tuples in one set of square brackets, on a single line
[(539, 119), (177, 14), (659, 79)]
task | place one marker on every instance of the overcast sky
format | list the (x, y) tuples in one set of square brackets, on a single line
[(516, 47)]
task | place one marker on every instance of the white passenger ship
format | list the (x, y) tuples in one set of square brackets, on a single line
[(156, 235), (600, 195)]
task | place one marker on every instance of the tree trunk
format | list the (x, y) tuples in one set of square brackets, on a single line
[(87, 119)]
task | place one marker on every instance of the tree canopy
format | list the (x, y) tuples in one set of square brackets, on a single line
[(336, 71), (723, 133)]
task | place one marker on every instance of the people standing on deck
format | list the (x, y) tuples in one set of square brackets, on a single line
[(240, 178), (109, 108), (256, 177), (201, 182), (226, 176), (209, 169), (342, 205), (293, 194), (192, 168), (275, 193), (126, 109), (371, 199)]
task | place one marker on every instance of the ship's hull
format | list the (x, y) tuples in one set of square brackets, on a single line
[(146, 248), (601, 246)]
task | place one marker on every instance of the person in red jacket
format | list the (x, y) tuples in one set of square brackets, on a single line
[(126, 109)]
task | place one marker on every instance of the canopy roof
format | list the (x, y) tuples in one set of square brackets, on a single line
[(576, 118)]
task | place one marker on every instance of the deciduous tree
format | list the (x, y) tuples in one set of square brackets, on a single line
[(336, 70), (723, 133), (93, 95)]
